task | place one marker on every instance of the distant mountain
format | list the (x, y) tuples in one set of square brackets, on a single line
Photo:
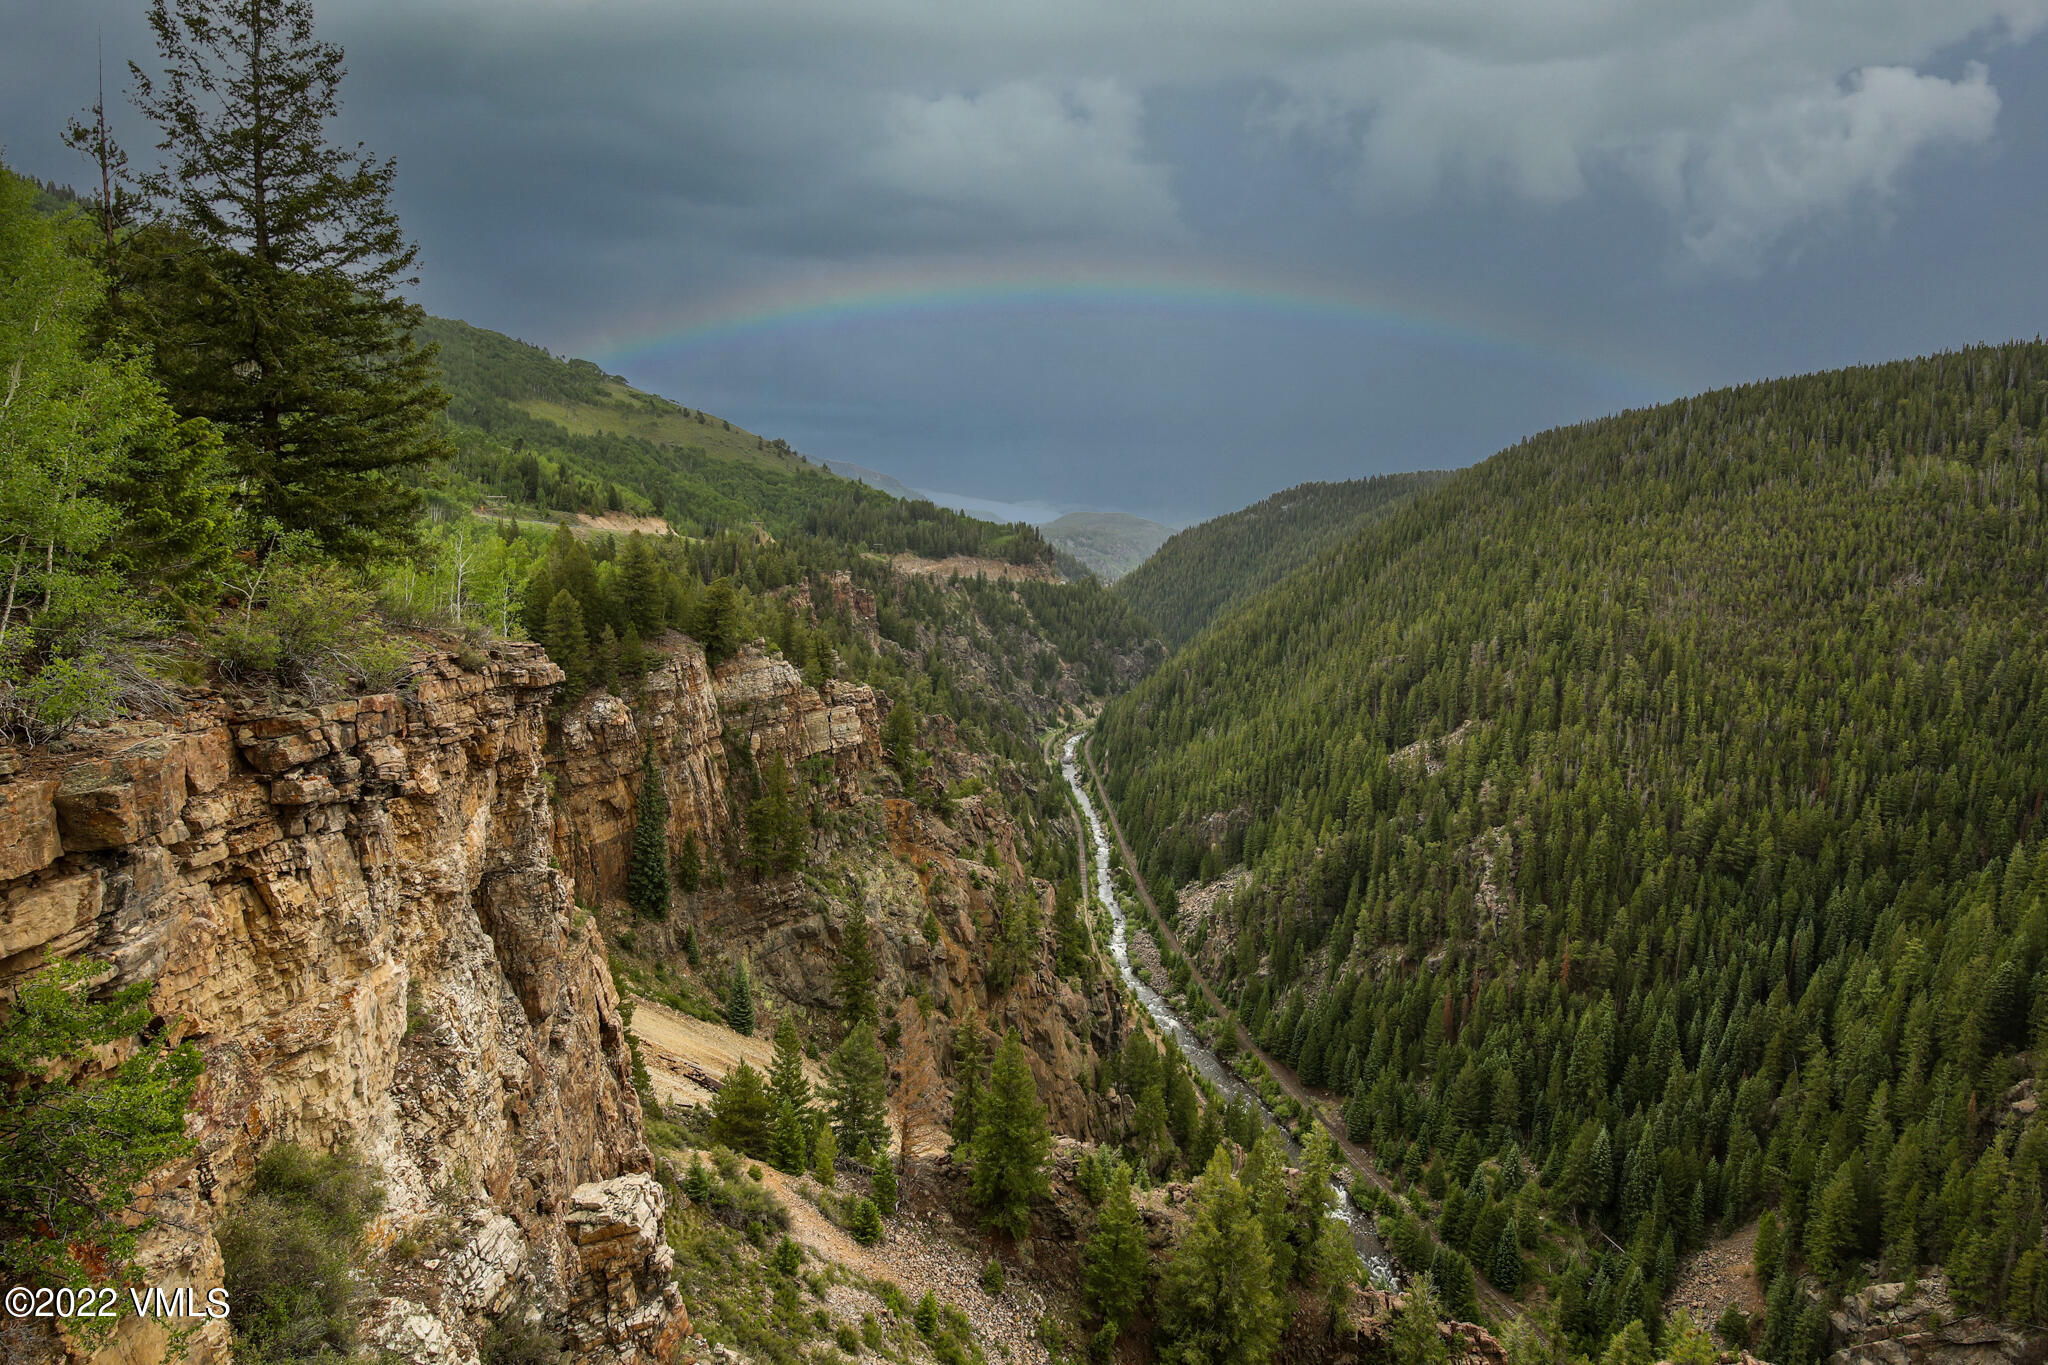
[(1205, 570), (1110, 544), (894, 487)]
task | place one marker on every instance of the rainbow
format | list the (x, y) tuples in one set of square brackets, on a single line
[(928, 292)]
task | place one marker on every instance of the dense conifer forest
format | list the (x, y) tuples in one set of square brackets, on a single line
[(1643, 832), (1204, 571)]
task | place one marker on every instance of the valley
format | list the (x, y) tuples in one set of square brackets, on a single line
[(502, 867)]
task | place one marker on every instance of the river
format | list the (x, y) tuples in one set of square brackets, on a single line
[(1204, 1060)]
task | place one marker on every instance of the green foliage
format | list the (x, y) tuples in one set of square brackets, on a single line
[(970, 1079), (885, 1182), (278, 318), (855, 970), (825, 1152), (1414, 1338), (786, 1080), (290, 1247), (304, 626), (1216, 1300), (647, 884), (1695, 751), (77, 1140), (1199, 574), (742, 1115), (1629, 1346), (857, 1096), (864, 1221), (739, 1001), (515, 1339), (992, 1278), (1011, 1142), (899, 738), (94, 464), (1115, 1263), (777, 830)]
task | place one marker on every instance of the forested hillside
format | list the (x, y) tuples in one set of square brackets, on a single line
[(1653, 811), (1204, 571), (551, 435)]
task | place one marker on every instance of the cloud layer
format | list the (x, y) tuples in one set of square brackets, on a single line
[(1747, 122)]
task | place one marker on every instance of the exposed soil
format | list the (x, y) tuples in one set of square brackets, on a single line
[(681, 1052), (926, 1254), (622, 523), (1717, 1275), (967, 566)]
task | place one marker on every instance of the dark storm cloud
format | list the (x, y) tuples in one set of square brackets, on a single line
[(1640, 198)]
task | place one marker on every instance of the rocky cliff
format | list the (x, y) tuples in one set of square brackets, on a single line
[(354, 912), (908, 869)]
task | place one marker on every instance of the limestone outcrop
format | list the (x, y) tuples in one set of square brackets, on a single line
[(354, 911)]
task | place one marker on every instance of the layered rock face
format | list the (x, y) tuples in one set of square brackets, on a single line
[(902, 867), (685, 714), (1897, 1324), (353, 911)]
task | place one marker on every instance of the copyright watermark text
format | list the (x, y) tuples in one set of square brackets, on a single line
[(105, 1301)]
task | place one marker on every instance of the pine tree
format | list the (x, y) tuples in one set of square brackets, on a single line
[(1505, 1269), (1314, 1197), (858, 1092), (689, 865), (1414, 1337), (855, 972), (742, 1115), (775, 827), (718, 621), (899, 737), (1216, 1303), (865, 1222), (1831, 1229), (697, 1184), (280, 320), (885, 1183), (969, 1080), (1769, 1251), (1332, 1264), (1115, 1263), (647, 884), (568, 642), (1010, 1143), (1629, 1346), (739, 1001), (1265, 1182), (786, 1144), (786, 1079), (824, 1155)]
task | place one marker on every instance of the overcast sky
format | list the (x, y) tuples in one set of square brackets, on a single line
[(1169, 257)]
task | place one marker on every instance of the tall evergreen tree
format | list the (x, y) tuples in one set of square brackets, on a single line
[(280, 320), (1413, 1337), (1216, 1302), (568, 643), (647, 884), (858, 1094), (786, 1079), (739, 1001), (718, 621), (742, 1115), (970, 1066), (1010, 1143), (855, 972), (1115, 1263)]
